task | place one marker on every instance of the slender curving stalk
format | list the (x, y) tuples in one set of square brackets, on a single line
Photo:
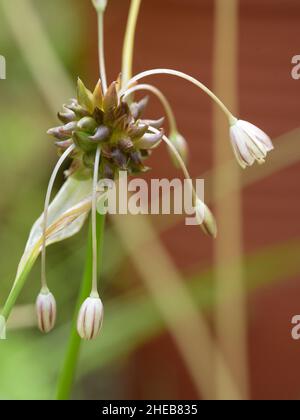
[(67, 375), (45, 221), (200, 85), (179, 160), (128, 47), (94, 223)]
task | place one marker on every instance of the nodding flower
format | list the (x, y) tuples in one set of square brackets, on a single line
[(249, 143)]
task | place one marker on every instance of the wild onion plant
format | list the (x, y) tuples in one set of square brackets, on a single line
[(103, 131)]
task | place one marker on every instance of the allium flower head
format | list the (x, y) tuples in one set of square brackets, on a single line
[(94, 119), (249, 143)]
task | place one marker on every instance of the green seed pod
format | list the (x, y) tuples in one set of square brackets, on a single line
[(87, 124), (83, 141)]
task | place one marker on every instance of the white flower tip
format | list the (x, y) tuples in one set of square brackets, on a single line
[(2, 328), (90, 318), (249, 143), (206, 219), (46, 311)]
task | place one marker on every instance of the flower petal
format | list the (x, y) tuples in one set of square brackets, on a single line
[(256, 148), (260, 135), (239, 143)]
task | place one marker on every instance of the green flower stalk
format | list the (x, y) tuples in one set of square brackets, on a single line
[(2, 328)]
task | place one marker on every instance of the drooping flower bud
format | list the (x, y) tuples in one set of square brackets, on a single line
[(90, 318), (206, 219), (46, 311), (181, 146), (2, 328)]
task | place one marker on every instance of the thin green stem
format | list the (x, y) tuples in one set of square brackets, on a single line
[(128, 46), (67, 375), (46, 206), (200, 85), (179, 160), (94, 222), (101, 50)]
